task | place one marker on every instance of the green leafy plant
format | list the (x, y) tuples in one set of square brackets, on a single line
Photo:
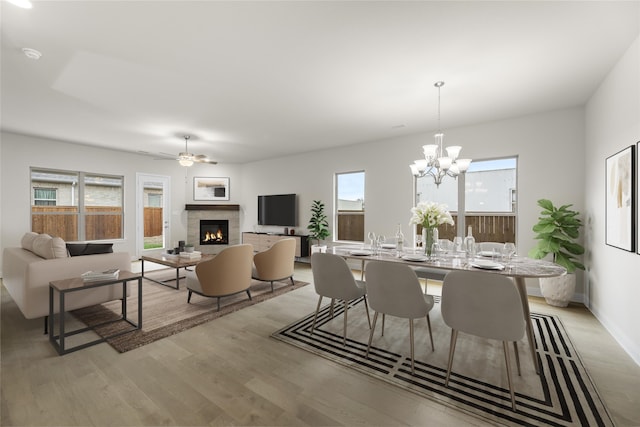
[(557, 231), (318, 225)]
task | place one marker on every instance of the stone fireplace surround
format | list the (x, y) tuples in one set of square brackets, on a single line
[(217, 212)]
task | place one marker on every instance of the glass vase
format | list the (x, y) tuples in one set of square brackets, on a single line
[(427, 240)]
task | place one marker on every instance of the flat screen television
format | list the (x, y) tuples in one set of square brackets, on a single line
[(277, 209)]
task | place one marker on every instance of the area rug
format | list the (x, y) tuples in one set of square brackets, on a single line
[(165, 311), (562, 395)]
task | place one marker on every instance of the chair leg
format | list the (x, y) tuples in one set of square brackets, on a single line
[(189, 297), (382, 334), (46, 324), (249, 294), (218, 303), (293, 283), (373, 328), (411, 339), (430, 334), (515, 349), (272, 286), (344, 327), (331, 311), (366, 307), (315, 316), (452, 349), (507, 359)]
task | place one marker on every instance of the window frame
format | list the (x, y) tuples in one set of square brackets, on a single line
[(78, 179), (336, 211)]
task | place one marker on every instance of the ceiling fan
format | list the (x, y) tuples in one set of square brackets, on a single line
[(187, 159)]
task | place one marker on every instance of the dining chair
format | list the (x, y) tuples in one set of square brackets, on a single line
[(484, 305), (276, 263), (333, 278), (228, 273), (394, 289)]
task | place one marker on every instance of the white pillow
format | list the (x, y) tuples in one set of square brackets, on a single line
[(27, 240), (59, 248)]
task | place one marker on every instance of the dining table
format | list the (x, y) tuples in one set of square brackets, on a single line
[(518, 268)]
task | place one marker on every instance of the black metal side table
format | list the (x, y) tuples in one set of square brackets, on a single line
[(66, 286)]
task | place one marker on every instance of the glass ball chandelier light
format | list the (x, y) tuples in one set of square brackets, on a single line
[(435, 163)]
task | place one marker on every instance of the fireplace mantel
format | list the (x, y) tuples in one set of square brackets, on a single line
[(212, 207)]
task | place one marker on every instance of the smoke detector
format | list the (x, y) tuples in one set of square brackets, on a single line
[(31, 53)]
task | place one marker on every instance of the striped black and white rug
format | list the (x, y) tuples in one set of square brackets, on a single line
[(562, 395)]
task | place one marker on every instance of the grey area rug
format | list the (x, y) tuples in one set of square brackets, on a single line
[(165, 311), (563, 395)]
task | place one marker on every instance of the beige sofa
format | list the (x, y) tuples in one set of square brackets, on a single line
[(27, 271)]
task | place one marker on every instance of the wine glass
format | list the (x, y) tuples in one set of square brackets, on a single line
[(457, 245), (372, 238), (381, 240), (508, 251)]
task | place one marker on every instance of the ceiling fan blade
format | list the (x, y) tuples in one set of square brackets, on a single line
[(201, 158)]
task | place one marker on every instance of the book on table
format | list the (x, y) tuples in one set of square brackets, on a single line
[(94, 276), (191, 255)]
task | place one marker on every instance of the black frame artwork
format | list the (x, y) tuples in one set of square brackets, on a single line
[(620, 199)]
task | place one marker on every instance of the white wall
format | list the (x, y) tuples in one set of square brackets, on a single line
[(612, 123), (546, 144), (18, 153)]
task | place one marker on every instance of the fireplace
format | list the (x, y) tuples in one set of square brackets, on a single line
[(214, 232)]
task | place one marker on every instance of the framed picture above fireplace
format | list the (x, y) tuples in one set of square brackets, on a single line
[(210, 188)]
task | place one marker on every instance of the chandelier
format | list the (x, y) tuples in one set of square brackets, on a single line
[(435, 163)]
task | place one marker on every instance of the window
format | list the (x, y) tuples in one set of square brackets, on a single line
[(349, 206), (44, 196), (489, 199), (77, 205)]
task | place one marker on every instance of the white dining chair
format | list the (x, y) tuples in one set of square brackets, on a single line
[(333, 278), (484, 305), (394, 289)]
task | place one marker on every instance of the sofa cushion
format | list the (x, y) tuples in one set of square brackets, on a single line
[(49, 247), (27, 240), (78, 249)]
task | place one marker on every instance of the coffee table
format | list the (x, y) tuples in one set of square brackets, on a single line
[(65, 286), (173, 262)]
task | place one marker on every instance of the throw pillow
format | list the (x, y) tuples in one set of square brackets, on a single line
[(27, 240), (79, 249), (43, 246)]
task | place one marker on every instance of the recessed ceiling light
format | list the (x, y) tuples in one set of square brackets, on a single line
[(31, 53), (25, 4)]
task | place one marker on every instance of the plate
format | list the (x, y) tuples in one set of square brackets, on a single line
[(486, 265), (388, 246), (415, 258), (360, 252)]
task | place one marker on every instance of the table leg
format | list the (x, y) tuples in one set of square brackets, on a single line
[(522, 289), (178, 277), (124, 300), (50, 319), (362, 271), (61, 323), (140, 303)]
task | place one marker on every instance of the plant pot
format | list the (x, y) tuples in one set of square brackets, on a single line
[(557, 291), (318, 248), (188, 249)]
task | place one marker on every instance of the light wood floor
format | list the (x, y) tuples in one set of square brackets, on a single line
[(230, 372)]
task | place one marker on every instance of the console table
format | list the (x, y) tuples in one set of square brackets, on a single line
[(75, 284), (263, 241)]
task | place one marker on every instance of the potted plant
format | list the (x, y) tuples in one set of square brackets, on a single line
[(188, 247), (557, 231), (318, 226)]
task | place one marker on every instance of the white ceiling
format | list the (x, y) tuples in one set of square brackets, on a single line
[(255, 80)]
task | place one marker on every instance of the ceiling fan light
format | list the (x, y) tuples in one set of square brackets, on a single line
[(185, 162)]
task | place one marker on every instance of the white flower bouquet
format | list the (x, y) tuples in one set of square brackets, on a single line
[(430, 215)]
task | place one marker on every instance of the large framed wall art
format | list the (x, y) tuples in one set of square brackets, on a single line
[(210, 188), (620, 200)]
